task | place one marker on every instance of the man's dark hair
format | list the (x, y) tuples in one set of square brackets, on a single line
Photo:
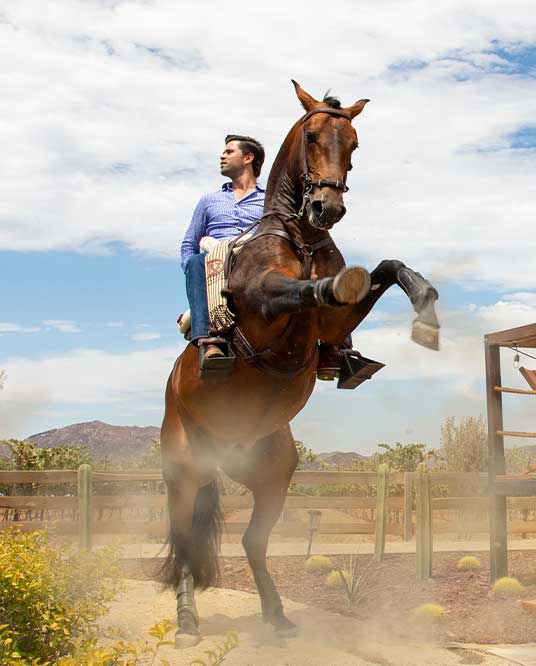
[(250, 145)]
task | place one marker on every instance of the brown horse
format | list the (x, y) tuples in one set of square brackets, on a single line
[(290, 289)]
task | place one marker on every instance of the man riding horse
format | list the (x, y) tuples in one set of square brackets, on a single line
[(290, 288), (223, 214)]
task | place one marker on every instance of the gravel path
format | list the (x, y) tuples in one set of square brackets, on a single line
[(324, 639)]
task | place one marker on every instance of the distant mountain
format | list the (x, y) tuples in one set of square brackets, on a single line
[(101, 439), (341, 459)]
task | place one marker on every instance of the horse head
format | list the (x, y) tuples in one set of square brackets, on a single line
[(324, 146)]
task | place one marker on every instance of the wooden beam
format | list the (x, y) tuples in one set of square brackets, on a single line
[(505, 389), (514, 433), (523, 336), (496, 464)]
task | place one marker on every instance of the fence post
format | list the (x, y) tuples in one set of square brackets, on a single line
[(85, 507), (408, 506), (382, 494), (423, 496)]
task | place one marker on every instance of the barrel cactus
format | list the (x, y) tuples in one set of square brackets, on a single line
[(318, 564)]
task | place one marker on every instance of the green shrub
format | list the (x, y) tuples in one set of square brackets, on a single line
[(469, 563), (50, 599), (507, 587), (318, 564), (336, 579), (430, 612)]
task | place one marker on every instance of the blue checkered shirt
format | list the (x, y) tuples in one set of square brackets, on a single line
[(220, 215)]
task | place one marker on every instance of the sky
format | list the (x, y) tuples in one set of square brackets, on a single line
[(112, 120)]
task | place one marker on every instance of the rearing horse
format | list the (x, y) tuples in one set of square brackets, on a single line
[(290, 289)]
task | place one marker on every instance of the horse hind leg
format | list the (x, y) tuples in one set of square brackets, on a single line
[(195, 524), (268, 477)]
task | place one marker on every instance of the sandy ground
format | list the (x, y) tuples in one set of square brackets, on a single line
[(324, 639)]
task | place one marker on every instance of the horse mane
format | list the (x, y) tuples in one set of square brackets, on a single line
[(331, 101)]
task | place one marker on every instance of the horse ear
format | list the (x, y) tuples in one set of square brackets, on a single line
[(356, 108), (308, 102)]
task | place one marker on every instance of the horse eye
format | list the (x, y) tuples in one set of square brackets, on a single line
[(310, 137)]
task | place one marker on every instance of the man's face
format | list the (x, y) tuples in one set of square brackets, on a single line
[(233, 161)]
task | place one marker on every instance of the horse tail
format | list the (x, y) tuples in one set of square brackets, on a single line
[(201, 553)]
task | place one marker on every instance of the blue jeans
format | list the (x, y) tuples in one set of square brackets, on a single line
[(196, 289)]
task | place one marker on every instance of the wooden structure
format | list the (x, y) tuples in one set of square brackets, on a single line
[(500, 485)]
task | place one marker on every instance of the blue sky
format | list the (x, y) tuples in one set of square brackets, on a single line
[(120, 110)]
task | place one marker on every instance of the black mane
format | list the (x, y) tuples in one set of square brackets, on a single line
[(331, 101)]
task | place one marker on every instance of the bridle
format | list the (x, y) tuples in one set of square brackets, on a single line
[(305, 177)]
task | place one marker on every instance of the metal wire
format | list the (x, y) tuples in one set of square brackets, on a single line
[(518, 351)]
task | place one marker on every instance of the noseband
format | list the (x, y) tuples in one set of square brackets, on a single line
[(308, 182)]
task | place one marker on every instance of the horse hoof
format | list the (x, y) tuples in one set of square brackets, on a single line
[(351, 285), (425, 334), (184, 640)]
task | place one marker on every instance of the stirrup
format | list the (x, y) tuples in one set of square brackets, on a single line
[(355, 369), (216, 366)]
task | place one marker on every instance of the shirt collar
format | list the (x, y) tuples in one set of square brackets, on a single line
[(227, 187)]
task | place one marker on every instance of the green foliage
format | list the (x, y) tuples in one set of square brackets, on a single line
[(50, 599), (26, 455), (306, 455), (518, 460), (464, 447), (152, 459), (351, 580), (400, 457), (217, 656)]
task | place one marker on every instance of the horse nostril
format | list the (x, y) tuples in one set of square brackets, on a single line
[(318, 207), (343, 211)]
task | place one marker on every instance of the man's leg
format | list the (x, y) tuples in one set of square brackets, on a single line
[(196, 289)]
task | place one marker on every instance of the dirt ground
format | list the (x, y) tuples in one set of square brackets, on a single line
[(324, 638), (474, 613)]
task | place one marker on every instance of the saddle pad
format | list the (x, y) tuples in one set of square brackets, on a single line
[(221, 319)]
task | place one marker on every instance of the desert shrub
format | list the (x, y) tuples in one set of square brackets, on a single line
[(336, 579), (430, 612), (469, 563), (464, 447), (507, 587), (318, 564), (50, 599)]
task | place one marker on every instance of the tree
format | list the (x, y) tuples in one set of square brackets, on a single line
[(400, 457), (307, 457), (464, 447), (3, 377)]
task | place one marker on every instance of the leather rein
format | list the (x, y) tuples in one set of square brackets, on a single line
[(264, 360)]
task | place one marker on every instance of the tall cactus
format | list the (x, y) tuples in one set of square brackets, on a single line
[(382, 495), (423, 494), (85, 505)]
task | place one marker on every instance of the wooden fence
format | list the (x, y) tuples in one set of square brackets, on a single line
[(145, 514)]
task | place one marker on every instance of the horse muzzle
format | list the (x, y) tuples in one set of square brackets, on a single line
[(324, 213)]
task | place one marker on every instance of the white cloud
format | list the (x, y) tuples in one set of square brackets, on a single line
[(121, 131), (145, 336), (89, 376), (62, 325), (7, 327)]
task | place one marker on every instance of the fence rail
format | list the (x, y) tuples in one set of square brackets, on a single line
[(122, 513)]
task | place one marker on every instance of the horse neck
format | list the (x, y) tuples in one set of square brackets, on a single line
[(284, 190)]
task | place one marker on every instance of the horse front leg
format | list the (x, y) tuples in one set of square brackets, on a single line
[(422, 294), (278, 294)]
